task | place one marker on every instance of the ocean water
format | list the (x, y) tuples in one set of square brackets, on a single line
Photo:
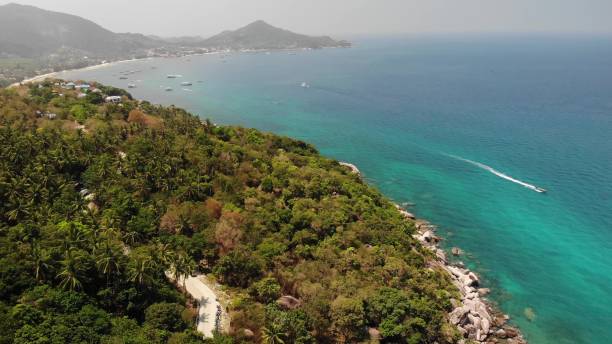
[(457, 127)]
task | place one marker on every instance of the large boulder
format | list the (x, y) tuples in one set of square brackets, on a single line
[(474, 320), (485, 325), (472, 280), (458, 314), (374, 334), (288, 302), (484, 291), (427, 236), (455, 303), (510, 332), (441, 255), (405, 214), (483, 312), (457, 272), (501, 333)]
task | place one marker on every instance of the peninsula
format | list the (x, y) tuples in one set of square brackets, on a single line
[(108, 203)]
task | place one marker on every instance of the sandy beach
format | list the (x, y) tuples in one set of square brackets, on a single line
[(53, 75)]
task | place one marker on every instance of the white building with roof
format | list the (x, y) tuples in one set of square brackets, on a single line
[(113, 99)]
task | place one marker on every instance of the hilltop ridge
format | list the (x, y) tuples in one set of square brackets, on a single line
[(31, 32), (261, 35)]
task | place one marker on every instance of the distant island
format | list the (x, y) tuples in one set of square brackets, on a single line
[(262, 36), (36, 41)]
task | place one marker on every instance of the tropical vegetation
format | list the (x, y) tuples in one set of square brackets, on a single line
[(102, 203)]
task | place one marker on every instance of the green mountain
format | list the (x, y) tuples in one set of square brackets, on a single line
[(34, 41), (261, 35), (31, 32)]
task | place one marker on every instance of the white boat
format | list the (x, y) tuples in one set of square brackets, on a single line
[(173, 76), (186, 83), (305, 85), (131, 86)]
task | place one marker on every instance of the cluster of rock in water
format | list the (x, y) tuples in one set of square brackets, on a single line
[(473, 316)]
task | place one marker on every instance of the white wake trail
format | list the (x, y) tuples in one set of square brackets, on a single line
[(499, 174)]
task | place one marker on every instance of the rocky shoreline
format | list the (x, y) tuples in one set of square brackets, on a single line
[(475, 317), (352, 167)]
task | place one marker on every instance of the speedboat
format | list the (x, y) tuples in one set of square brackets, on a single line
[(186, 83)]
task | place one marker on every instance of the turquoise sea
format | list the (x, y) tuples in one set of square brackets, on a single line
[(407, 110)]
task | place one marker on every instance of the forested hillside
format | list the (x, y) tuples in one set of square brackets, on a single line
[(98, 200), (31, 32)]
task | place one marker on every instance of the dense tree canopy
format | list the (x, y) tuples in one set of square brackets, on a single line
[(99, 202)]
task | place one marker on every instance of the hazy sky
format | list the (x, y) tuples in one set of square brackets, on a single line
[(206, 17)]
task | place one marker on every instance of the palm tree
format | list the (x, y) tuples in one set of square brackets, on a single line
[(272, 335), (163, 255), (182, 266), (108, 260), (140, 270), (75, 234), (130, 237), (70, 275), (41, 267), (28, 236), (18, 199), (184, 224)]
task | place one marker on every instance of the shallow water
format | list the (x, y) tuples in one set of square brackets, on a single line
[(538, 109)]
